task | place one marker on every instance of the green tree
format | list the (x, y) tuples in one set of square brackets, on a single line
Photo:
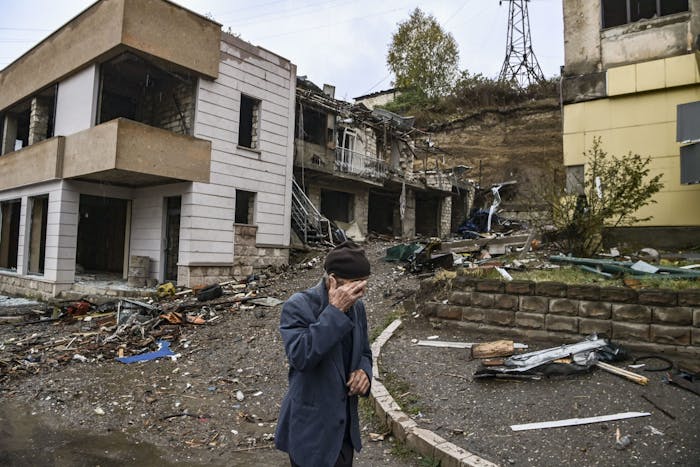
[(422, 56), (611, 193)]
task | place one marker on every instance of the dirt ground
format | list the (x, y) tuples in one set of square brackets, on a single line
[(186, 411), (218, 402)]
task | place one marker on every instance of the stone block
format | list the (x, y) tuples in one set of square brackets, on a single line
[(631, 313), (483, 300), (402, 427), (534, 303), (689, 297), (618, 294), (429, 308), (674, 335), (696, 318), (596, 309), (499, 317), (551, 289), (529, 320), (505, 302), (461, 298), (695, 336), (563, 306), (561, 323), (657, 297), (449, 312), (465, 283), (630, 331), (588, 326), (520, 287), (450, 455), (490, 285), (673, 315), (583, 292), (423, 441), (472, 314)]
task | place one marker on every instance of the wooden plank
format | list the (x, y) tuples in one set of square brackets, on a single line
[(639, 379), (502, 348), (578, 421)]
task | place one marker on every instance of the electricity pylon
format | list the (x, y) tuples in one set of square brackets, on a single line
[(520, 65)]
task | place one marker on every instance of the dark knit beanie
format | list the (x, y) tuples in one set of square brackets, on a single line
[(347, 261)]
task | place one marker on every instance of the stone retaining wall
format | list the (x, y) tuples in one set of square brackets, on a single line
[(655, 319)]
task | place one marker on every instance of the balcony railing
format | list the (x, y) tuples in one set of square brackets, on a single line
[(352, 162)]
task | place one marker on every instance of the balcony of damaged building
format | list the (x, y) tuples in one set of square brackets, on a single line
[(128, 125), (354, 170), (139, 119)]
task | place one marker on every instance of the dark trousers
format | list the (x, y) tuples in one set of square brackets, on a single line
[(344, 457)]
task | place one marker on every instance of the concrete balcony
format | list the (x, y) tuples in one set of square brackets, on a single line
[(158, 29), (119, 152)]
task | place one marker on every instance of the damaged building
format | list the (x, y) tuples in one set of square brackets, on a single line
[(139, 139), (631, 77), (354, 167)]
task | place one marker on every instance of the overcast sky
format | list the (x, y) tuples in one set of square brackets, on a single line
[(340, 42)]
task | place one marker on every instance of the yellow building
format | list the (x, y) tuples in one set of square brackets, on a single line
[(631, 68)]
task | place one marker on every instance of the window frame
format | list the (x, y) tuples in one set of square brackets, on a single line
[(250, 210), (628, 10), (253, 123)]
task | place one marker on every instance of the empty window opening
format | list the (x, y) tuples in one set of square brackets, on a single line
[(9, 233), (337, 205), (245, 207), (37, 234), (315, 126), (133, 88), (101, 234), (248, 125), (28, 122), (618, 12)]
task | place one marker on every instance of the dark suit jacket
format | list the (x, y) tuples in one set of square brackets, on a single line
[(311, 425)]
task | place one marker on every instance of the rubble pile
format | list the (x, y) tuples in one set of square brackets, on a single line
[(126, 329)]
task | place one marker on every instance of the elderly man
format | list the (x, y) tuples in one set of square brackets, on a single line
[(324, 330)]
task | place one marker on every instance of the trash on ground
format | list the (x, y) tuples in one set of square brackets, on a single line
[(163, 351)]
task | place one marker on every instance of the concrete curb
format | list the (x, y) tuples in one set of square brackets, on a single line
[(422, 441)]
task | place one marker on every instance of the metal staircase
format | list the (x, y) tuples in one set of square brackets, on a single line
[(307, 221)]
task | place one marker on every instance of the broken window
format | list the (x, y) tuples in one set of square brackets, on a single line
[(245, 207), (574, 179), (248, 125), (618, 12), (37, 233), (315, 129), (337, 205), (133, 88), (9, 233)]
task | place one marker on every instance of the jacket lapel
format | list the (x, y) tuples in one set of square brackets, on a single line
[(336, 355)]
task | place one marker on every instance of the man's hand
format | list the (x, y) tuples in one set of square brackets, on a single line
[(358, 383), (343, 296)]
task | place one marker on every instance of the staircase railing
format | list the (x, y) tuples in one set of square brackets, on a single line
[(307, 221)]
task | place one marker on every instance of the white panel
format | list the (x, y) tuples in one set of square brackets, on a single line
[(76, 102)]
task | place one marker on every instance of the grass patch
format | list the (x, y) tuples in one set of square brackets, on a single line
[(575, 276), (401, 392)]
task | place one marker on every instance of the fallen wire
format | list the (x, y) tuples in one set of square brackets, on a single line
[(251, 448), (669, 363), (199, 417)]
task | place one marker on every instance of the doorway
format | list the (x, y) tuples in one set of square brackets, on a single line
[(9, 233), (172, 236), (101, 234)]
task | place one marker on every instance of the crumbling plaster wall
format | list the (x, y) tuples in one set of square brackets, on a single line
[(581, 36)]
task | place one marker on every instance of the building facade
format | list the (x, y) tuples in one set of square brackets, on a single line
[(356, 166), (631, 79), (140, 129)]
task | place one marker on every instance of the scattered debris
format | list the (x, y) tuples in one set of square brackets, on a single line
[(459, 345), (639, 379), (578, 421), (163, 351)]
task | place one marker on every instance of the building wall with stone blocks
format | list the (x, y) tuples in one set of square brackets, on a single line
[(655, 319)]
